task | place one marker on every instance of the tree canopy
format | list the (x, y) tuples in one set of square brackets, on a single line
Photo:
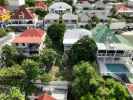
[(56, 34), (87, 84), (8, 55), (48, 57), (84, 49)]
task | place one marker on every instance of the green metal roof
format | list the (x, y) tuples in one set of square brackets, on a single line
[(102, 34)]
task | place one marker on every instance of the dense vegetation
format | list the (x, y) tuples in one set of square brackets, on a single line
[(22, 72), (2, 32)]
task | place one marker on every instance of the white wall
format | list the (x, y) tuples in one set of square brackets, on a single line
[(16, 2)]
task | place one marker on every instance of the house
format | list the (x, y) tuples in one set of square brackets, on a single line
[(45, 97), (117, 24), (114, 54), (55, 90), (4, 14), (23, 15), (71, 36), (50, 19), (14, 4), (39, 4), (70, 20), (124, 9), (99, 9), (60, 8), (30, 41)]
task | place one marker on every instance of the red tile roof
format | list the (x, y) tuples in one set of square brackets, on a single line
[(32, 35), (41, 5), (3, 10), (130, 88), (45, 97), (23, 11), (123, 8)]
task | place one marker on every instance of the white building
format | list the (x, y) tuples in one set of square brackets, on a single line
[(14, 4), (60, 8), (30, 41), (70, 20), (50, 19), (73, 35)]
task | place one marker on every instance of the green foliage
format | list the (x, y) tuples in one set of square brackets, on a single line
[(85, 49), (2, 2), (48, 42), (14, 71), (31, 69), (14, 94), (8, 55), (48, 57), (48, 2), (41, 13), (85, 79), (45, 78), (2, 32), (56, 34), (30, 2), (88, 85)]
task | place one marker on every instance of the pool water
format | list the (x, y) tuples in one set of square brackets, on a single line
[(117, 68)]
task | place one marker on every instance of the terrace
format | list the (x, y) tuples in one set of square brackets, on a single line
[(114, 54)]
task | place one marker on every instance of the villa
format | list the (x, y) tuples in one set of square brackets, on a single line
[(4, 14), (99, 9), (124, 9), (114, 54), (71, 36), (30, 41), (23, 16), (50, 19), (55, 90), (60, 8), (70, 20)]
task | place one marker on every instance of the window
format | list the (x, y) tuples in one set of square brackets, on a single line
[(74, 21), (66, 21), (23, 44), (17, 44), (85, 8)]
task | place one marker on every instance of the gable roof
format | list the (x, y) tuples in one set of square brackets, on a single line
[(45, 97), (26, 13), (41, 5), (3, 10), (32, 35)]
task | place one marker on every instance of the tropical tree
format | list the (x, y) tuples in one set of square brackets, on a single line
[(2, 32), (84, 49), (48, 57), (14, 94), (8, 55), (85, 79), (56, 34), (30, 2), (87, 84), (41, 13), (32, 71)]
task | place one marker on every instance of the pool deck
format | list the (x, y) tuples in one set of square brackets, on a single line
[(103, 69)]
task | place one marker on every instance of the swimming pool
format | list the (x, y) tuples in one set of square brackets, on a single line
[(117, 68)]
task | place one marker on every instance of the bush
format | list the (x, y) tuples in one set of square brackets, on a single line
[(2, 32)]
